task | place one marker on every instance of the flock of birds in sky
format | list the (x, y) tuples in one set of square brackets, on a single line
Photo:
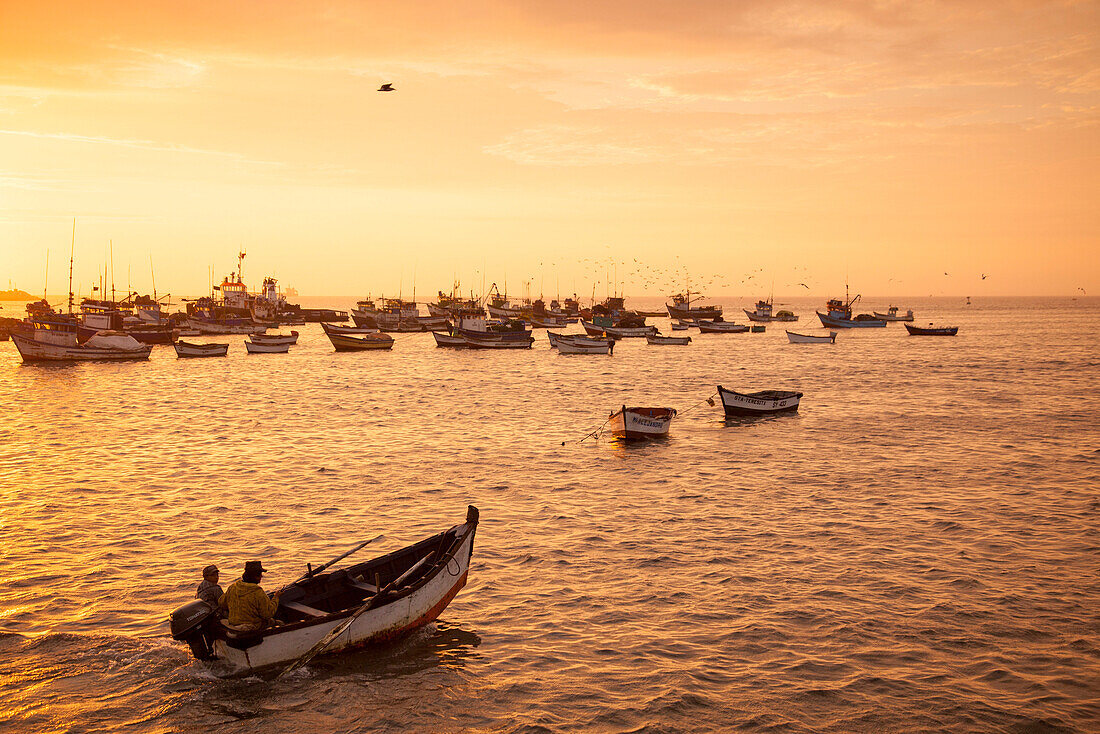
[(668, 279)]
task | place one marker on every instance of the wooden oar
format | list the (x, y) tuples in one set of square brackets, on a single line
[(323, 566), (343, 626)]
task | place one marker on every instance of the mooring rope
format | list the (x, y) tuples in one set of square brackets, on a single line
[(708, 400)]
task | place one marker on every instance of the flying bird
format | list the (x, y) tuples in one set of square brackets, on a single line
[(804, 286), (983, 276), (387, 87), (946, 273)]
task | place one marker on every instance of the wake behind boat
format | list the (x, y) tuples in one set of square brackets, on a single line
[(377, 600)]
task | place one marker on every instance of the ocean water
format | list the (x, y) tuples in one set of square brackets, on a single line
[(916, 549)]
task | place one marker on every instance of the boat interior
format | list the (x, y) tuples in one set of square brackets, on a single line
[(348, 588)]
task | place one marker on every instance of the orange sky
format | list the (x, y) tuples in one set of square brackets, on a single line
[(801, 141)]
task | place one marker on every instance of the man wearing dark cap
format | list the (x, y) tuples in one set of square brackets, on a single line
[(249, 606), (209, 590)]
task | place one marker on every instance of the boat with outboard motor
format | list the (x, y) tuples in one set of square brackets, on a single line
[(366, 603), (765, 402)]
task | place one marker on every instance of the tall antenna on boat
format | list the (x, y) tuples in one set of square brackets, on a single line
[(153, 275), (112, 246), (72, 249), (47, 280)]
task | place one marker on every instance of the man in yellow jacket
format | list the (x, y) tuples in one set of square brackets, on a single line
[(249, 606)]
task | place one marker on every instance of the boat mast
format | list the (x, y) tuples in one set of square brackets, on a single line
[(112, 249), (47, 280), (72, 249), (153, 275)]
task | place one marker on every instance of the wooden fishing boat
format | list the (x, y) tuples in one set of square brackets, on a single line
[(839, 314), (349, 343), (491, 342), (586, 346), (556, 338), (189, 349), (794, 338), (931, 330), (764, 402), (618, 332), (348, 330), (892, 315), (57, 345), (721, 327), (757, 328), (255, 348), (208, 325), (638, 424), (291, 338), (681, 307), (657, 339), (680, 326), (444, 339), (763, 313), (375, 601)]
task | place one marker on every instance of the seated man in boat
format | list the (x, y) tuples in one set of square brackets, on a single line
[(249, 606), (209, 590)]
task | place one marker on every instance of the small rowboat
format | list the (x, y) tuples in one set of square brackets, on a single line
[(668, 340), (254, 348), (348, 343), (443, 339), (721, 327), (479, 342), (378, 601), (291, 338), (618, 332), (764, 402), (348, 330), (794, 338), (586, 346), (638, 424), (680, 326), (188, 349), (931, 330), (556, 339)]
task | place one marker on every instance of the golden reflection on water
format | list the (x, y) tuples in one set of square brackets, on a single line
[(906, 543)]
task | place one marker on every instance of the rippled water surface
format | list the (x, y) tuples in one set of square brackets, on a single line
[(915, 550)]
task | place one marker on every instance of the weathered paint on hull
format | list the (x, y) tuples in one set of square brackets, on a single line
[(33, 351), (387, 622)]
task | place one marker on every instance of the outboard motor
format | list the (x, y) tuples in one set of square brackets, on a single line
[(196, 623)]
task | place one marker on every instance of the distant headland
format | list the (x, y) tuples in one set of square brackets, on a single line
[(15, 295)]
